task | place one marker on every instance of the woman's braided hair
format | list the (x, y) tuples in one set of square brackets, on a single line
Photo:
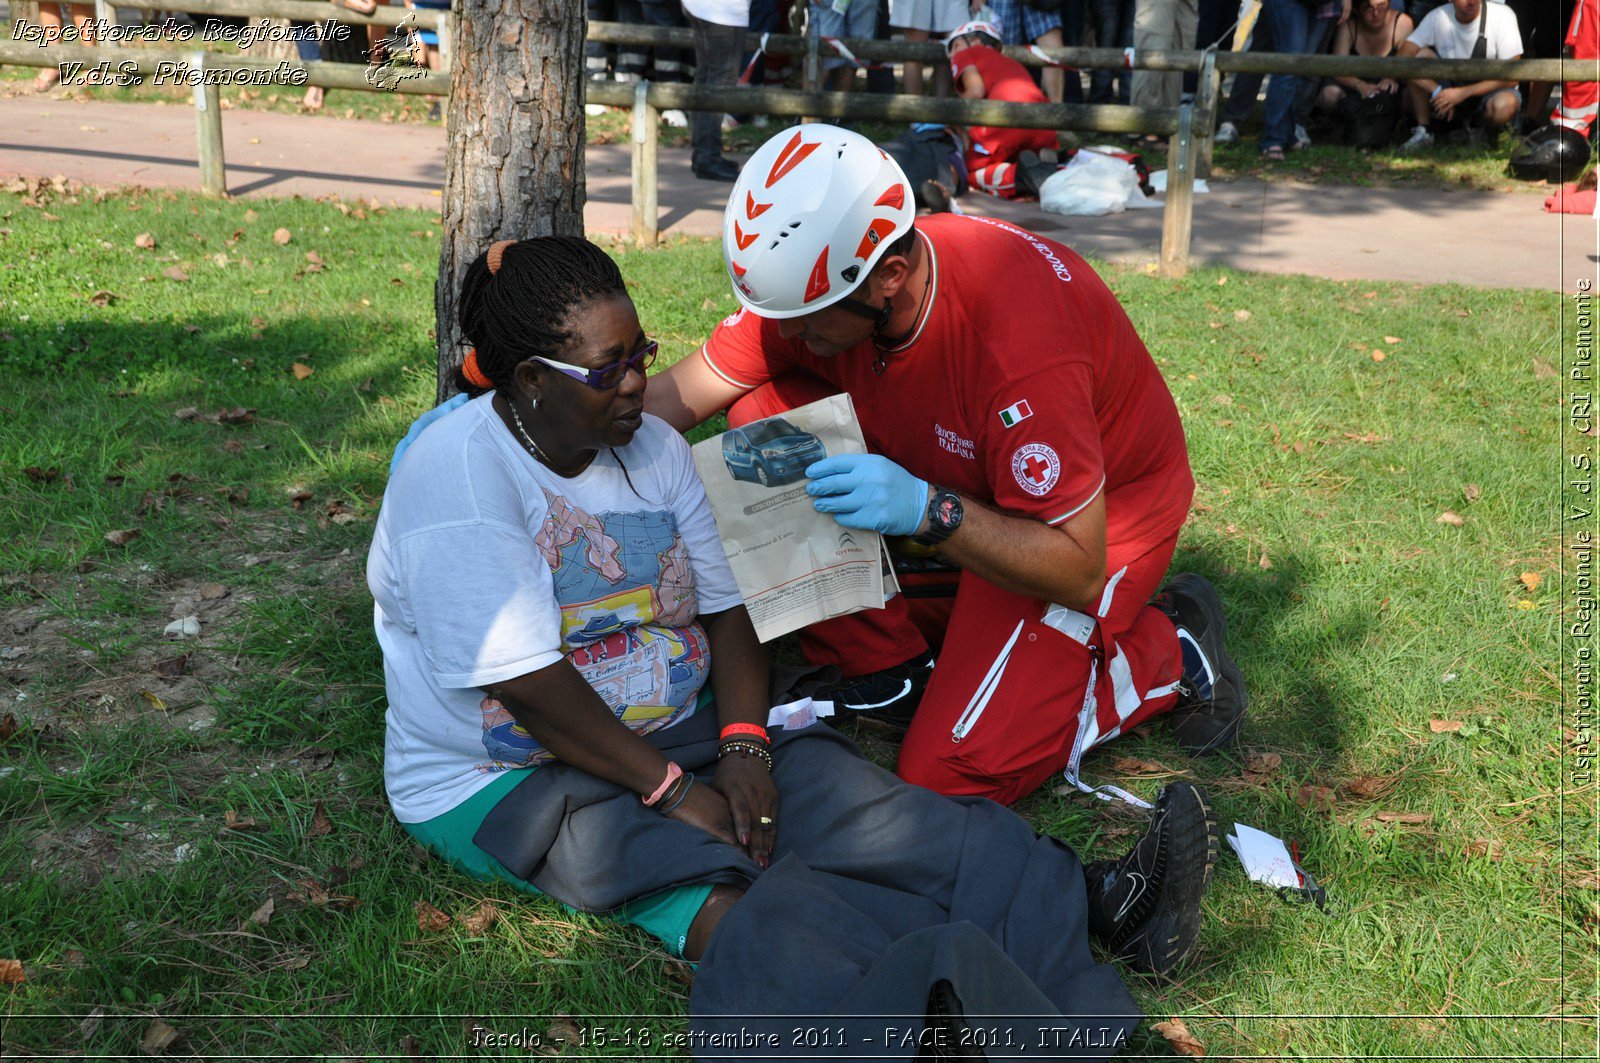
[(516, 297)]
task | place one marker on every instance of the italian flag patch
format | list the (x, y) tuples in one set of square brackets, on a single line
[(1012, 414)]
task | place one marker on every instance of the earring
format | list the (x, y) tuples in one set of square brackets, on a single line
[(533, 403)]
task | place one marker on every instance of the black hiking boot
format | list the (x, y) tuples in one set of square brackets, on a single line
[(1032, 173), (1145, 907), (946, 1034), (1211, 695), (882, 702)]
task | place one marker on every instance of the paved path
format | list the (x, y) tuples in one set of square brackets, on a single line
[(1429, 236)]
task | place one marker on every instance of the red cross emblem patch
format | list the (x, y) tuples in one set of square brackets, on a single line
[(1036, 467)]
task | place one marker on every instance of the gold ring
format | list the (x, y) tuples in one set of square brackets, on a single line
[(765, 821)]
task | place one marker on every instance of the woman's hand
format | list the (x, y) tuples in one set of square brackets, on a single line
[(752, 798), (1388, 85), (707, 809)]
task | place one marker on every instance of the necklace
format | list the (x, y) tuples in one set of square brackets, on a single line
[(534, 447)]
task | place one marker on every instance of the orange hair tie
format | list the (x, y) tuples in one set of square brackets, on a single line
[(474, 375), (497, 251)]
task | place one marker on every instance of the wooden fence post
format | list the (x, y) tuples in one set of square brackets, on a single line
[(811, 73), (1177, 217), (646, 136), (1205, 112), (208, 130)]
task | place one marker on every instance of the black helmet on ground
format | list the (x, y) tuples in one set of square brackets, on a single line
[(1551, 153)]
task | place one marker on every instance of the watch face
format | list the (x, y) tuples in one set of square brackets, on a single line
[(945, 510)]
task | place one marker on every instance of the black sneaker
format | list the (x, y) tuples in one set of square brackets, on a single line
[(1145, 907), (1032, 173), (881, 701), (1211, 695), (945, 1034)]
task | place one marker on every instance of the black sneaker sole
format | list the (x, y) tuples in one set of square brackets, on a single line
[(1192, 844), (1215, 646)]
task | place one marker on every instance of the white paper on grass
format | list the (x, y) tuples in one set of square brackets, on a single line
[(1265, 858), (1158, 181), (794, 566), (793, 715)]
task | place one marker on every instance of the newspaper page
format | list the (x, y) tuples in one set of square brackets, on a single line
[(795, 566)]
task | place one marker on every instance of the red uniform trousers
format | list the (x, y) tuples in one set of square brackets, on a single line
[(994, 170), (1022, 688)]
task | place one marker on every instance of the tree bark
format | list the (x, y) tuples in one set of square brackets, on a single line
[(514, 161)]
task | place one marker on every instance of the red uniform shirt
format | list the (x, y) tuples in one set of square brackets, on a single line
[(1007, 80), (1022, 383)]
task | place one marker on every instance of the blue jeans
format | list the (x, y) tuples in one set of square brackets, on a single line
[(1291, 26)]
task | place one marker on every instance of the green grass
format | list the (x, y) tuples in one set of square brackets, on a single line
[(123, 891)]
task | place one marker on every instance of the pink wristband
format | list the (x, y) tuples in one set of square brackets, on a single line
[(674, 773)]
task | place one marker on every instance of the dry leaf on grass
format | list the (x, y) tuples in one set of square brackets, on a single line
[(1440, 727), (430, 920), (301, 370), (91, 1023), (481, 918), (1486, 847), (154, 700), (1135, 766), (8, 726), (1414, 818), (237, 415), (11, 972), (1471, 492), (1391, 340), (175, 273), (281, 236), (231, 820), (1378, 355), (1314, 798), (1262, 763), (158, 1038), (1543, 370), (1369, 787), (320, 823), (1178, 1036), (42, 476), (1265, 562), (172, 667), (1241, 315), (146, 241), (1450, 517), (121, 536), (263, 914), (103, 298), (212, 591), (1531, 580)]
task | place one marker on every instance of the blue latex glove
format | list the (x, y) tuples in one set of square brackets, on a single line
[(453, 403), (868, 491)]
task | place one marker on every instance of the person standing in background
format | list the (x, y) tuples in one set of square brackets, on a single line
[(1039, 23), (719, 30), (82, 16), (924, 20), (1163, 25), (1113, 28), (852, 19)]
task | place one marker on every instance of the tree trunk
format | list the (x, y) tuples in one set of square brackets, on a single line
[(514, 162)]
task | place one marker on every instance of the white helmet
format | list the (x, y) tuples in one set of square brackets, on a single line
[(975, 26), (811, 214)]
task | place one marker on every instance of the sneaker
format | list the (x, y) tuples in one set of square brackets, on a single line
[(1145, 907), (1032, 173), (881, 701), (1420, 138), (945, 1034), (1302, 139), (675, 118), (1227, 133), (1211, 694)]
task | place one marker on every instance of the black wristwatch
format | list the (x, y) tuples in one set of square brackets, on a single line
[(944, 517)]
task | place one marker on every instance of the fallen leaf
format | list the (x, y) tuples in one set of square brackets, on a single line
[(154, 700), (481, 918), (1525, 605), (158, 1038), (1543, 370), (103, 298), (1265, 562), (1135, 766), (1369, 787), (1391, 340), (1485, 847), (1414, 818), (320, 823), (1472, 491), (430, 919), (1450, 517), (1369, 295), (301, 370), (1222, 400), (1178, 1036), (1241, 315), (1365, 437), (564, 1031), (174, 273), (1442, 727), (231, 820), (121, 536), (1221, 281), (299, 496), (11, 972), (41, 476), (212, 591), (261, 915), (8, 726), (1531, 580), (1377, 355), (281, 236), (1314, 798), (146, 241), (91, 1023), (237, 415)]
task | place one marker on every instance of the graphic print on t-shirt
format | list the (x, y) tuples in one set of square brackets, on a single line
[(628, 608)]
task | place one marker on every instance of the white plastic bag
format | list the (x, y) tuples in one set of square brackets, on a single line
[(1092, 183)]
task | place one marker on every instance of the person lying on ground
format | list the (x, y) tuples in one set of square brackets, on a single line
[(1017, 426), (1463, 29), (578, 706)]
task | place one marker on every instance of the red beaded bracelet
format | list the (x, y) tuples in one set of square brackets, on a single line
[(754, 730)]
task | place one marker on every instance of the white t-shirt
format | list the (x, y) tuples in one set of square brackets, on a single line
[(722, 12), (485, 565), (1441, 32)]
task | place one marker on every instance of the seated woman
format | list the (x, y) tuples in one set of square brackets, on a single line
[(578, 706), (1375, 29)]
